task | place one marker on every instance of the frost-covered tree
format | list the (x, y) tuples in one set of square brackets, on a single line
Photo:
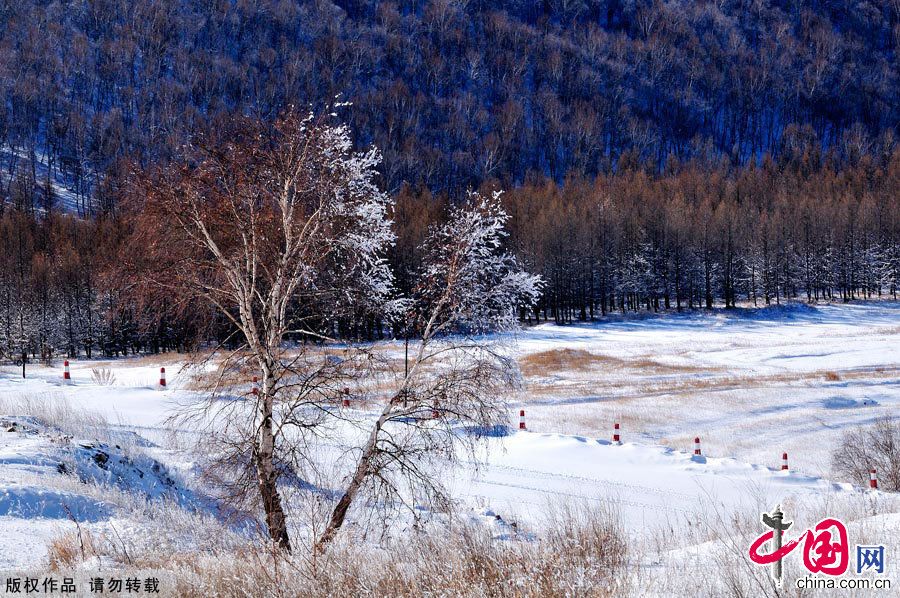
[(282, 231), (455, 375)]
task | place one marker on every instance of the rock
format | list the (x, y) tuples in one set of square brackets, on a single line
[(101, 458)]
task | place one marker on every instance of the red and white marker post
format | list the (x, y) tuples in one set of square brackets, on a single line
[(616, 437), (522, 420), (784, 463), (162, 377), (873, 479), (66, 375), (345, 402), (255, 390), (697, 446)]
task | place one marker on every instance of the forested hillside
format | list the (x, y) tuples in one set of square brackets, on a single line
[(654, 154), (452, 91)]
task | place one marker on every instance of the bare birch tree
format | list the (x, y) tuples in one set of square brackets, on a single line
[(455, 380), (281, 230)]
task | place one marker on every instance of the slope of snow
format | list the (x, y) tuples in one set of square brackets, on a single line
[(50, 482), (793, 338), (65, 196), (646, 483)]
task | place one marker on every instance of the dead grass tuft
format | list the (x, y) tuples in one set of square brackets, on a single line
[(873, 447), (103, 376), (55, 411), (71, 549)]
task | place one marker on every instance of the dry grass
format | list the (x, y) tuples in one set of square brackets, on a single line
[(237, 380), (623, 379), (584, 554), (149, 360), (103, 376), (758, 381), (55, 411), (560, 361), (235, 374), (71, 549), (874, 447)]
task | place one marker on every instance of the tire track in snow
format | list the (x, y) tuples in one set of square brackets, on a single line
[(620, 501), (547, 475)]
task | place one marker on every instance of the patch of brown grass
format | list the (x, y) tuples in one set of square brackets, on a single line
[(641, 377), (757, 381), (555, 360), (560, 361), (71, 549), (163, 359), (240, 380)]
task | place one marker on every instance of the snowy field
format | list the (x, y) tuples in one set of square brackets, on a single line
[(750, 383)]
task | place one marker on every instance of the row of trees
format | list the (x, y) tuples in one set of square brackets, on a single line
[(696, 237), (693, 237), (454, 92), (61, 292)]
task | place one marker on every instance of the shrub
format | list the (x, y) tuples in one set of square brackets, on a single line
[(875, 447)]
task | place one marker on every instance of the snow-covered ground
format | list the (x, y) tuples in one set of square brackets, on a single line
[(750, 383)]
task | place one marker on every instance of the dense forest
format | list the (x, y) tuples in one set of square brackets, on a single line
[(655, 155), (454, 92)]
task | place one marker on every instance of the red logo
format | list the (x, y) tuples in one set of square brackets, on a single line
[(825, 546)]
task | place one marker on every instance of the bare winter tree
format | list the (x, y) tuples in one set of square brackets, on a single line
[(456, 373), (280, 228)]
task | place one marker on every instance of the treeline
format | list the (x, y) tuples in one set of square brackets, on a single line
[(698, 237), (454, 92), (691, 238), (60, 292)]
